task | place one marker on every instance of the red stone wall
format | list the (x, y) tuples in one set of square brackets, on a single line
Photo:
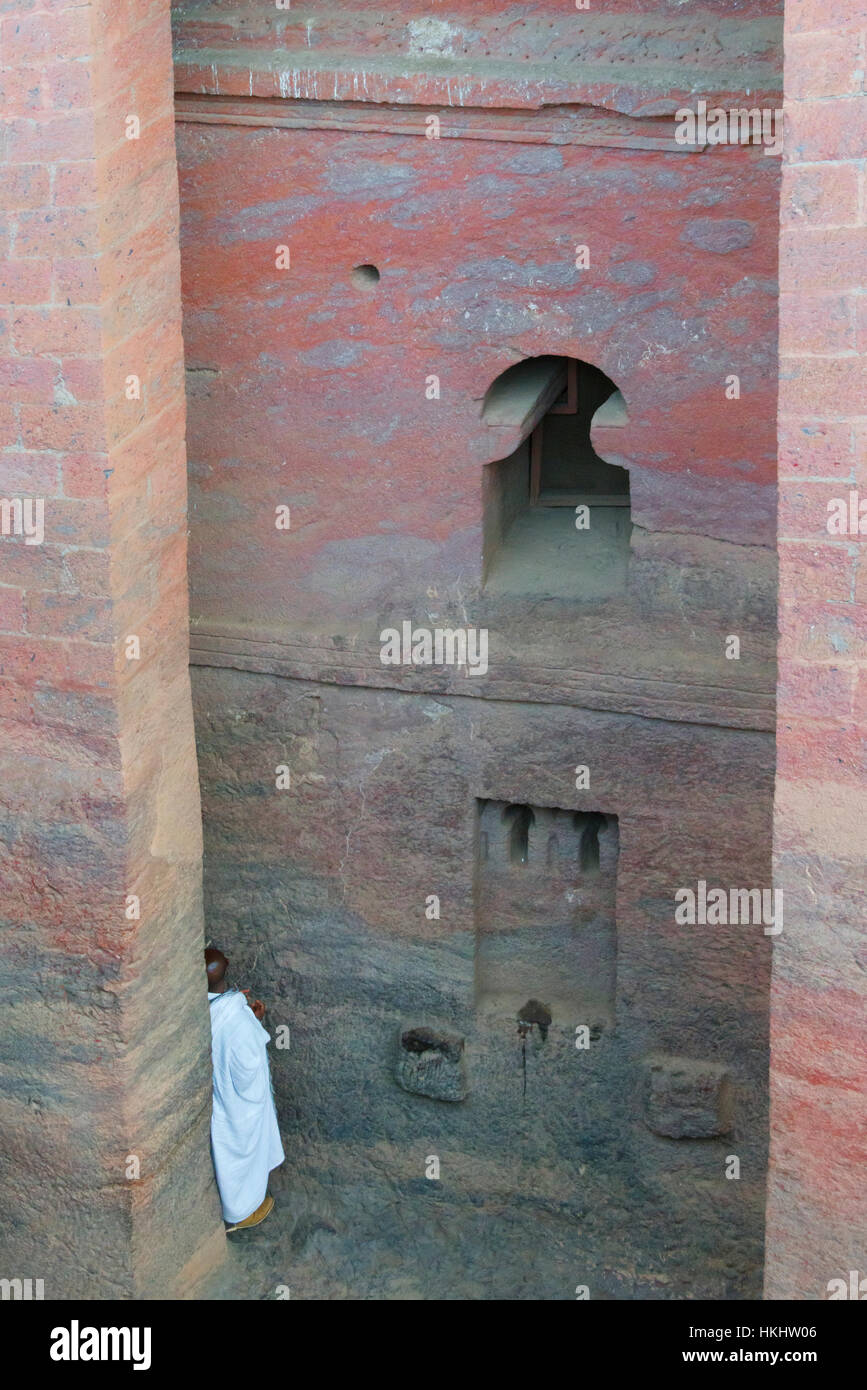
[(642, 58), (307, 391), (817, 1208), (98, 795), (104, 1082)]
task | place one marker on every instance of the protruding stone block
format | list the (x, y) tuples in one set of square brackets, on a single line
[(430, 1062), (687, 1099)]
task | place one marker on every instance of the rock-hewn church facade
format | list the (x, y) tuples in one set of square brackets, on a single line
[(436, 418)]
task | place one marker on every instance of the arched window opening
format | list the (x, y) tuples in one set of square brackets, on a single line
[(519, 820), (588, 826), (565, 470), (556, 515)]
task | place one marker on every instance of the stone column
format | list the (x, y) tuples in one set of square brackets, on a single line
[(817, 1199), (106, 1184)]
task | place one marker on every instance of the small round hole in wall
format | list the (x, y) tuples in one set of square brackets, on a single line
[(364, 277)]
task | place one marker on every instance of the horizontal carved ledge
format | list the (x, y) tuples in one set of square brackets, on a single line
[(611, 692), (551, 126)]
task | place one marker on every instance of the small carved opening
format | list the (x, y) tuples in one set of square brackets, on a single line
[(417, 1040), (588, 826), (534, 1014), (519, 819), (364, 277)]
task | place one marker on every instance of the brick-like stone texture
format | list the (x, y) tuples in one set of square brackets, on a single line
[(817, 1201), (104, 1080)]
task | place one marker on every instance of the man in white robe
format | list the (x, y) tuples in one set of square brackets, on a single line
[(245, 1138)]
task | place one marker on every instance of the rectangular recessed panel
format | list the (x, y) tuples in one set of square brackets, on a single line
[(545, 909)]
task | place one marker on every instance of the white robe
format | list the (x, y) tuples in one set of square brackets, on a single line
[(245, 1138)]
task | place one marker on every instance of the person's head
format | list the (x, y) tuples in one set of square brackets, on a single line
[(216, 966)]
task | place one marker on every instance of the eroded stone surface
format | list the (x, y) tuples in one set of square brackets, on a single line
[(480, 53), (688, 1099), (319, 895), (430, 1062)]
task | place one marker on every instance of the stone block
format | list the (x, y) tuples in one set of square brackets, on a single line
[(687, 1099), (430, 1062)]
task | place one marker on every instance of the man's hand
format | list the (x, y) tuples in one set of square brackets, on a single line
[(258, 1009), (256, 1005)]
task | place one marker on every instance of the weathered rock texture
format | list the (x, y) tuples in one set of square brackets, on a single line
[(688, 1099), (636, 58), (817, 1203), (310, 388), (106, 1188), (319, 894)]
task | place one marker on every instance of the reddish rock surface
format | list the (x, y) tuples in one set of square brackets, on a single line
[(106, 1186), (817, 1210), (307, 390), (640, 58)]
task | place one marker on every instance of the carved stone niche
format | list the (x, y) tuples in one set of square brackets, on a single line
[(430, 1062), (687, 1099)]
